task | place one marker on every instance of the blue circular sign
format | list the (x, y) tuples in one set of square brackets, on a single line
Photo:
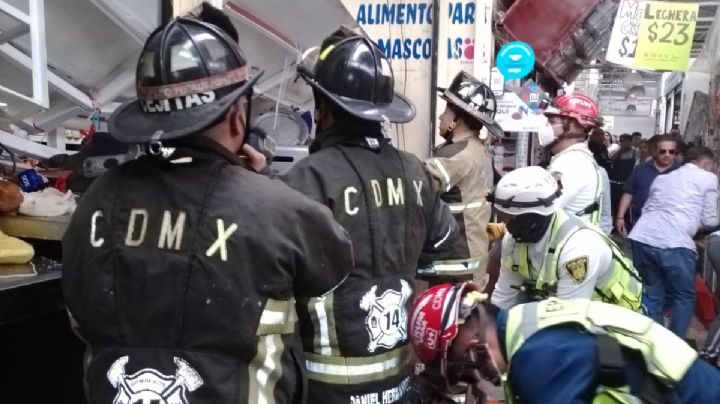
[(515, 60)]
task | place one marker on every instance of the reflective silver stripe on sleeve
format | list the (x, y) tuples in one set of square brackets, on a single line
[(278, 317), (444, 172), (460, 207), (442, 240)]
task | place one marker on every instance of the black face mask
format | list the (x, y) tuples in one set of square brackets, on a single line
[(528, 227)]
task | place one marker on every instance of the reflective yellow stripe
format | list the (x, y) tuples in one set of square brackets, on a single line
[(459, 207), (353, 370), (325, 52), (666, 355), (444, 172), (278, 317)]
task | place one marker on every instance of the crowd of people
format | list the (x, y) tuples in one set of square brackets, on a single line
[(194, 276)]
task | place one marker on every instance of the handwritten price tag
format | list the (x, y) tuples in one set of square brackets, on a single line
[(666, 35)]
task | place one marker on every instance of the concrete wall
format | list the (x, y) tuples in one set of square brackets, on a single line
[(629, 124)]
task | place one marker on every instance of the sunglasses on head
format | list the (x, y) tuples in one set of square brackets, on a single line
[(667, 151)]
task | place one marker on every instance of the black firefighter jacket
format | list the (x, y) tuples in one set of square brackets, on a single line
[(356, 338), (180, 274)]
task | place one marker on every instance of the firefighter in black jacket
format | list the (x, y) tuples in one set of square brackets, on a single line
[(180, 269), (356, 338)]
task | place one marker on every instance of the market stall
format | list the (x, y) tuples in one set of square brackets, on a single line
[(66, 66)]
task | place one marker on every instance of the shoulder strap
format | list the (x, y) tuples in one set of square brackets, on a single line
[(611, 361)]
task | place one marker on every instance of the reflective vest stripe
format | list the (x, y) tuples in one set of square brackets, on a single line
[(354, 370), (623, 286), (323, 317), (278, 317), (265, 369), (667, 356), (444, 172), (461, 207), (562, 232)]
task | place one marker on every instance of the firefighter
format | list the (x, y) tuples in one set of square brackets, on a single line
[(355, 338), (548, 252), (570, 121), (555, 351), (463, 169), (180, 269)]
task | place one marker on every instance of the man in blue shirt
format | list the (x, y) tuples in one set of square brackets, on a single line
[(637, 186), (554, 351)]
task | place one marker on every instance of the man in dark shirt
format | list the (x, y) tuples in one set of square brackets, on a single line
[(623, 163), (638, 184)]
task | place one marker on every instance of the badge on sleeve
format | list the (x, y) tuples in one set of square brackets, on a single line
[(578, 268)]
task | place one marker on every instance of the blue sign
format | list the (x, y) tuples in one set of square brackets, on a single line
[(515, 60)]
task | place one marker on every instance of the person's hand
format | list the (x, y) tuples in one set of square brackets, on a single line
[(256, 160), (620, 226), (495, 231)]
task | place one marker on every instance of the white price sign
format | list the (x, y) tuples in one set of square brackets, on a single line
[(624, 37)]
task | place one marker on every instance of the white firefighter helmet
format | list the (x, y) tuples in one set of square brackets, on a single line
[(527, 190)]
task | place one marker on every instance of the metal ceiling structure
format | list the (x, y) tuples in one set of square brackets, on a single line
[(615, 84), (60, 60)]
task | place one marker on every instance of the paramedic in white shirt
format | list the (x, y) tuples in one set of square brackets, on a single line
[(679, 204), (571, 119), (548, 252)]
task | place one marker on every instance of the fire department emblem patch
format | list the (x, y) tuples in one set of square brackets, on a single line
[(577, 268), (148, 386), (386, 322)]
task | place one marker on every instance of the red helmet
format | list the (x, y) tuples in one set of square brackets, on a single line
[(434, 320), (577, 106)]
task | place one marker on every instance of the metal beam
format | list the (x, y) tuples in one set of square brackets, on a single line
[(112, 9), (39, 52), (55, 116), (121, 79), (59, 84), (14, 32), (27, 147), (13, 12)]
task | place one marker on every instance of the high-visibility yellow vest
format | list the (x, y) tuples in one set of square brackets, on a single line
[(622, 288), (667, 357)]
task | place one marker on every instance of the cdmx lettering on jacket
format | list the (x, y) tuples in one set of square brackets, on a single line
[(412, 13), (170, 235), (391, 192)]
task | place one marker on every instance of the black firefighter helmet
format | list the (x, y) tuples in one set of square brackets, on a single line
[(475, 98), (188, 75), (353, 74)]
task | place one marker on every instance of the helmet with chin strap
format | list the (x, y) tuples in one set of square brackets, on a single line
[(578, 107), (436, 317), (526, 190)]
